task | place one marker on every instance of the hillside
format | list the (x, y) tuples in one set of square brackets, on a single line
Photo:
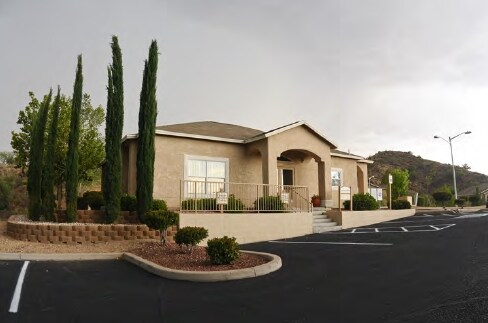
[(426, 176)]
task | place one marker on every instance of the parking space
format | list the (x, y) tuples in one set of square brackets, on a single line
[(8, 280), (366, 268)]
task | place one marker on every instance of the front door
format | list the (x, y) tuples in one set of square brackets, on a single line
[(286, 176)]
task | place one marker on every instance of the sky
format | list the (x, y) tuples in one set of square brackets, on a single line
[(368, 75)]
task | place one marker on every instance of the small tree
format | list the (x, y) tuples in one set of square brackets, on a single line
[(48, 200), (161, 221), (442, 196), (401, 182), (72, 161), (112, 170), (147, 126), (34, 181)]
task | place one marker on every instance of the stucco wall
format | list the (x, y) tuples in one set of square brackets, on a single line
[(250, 227), (244, 166), (353, 219)]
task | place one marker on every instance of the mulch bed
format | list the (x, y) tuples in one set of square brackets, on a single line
[(172, 256)]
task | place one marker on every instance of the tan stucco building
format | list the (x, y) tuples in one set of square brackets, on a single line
[(294, 154)]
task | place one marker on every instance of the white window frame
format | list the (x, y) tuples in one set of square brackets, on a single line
[(206, 158), (341, 174)]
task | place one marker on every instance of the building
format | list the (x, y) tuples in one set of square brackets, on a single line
[(189, 155)]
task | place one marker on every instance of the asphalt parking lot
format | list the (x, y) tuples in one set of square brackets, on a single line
[(425, 268)]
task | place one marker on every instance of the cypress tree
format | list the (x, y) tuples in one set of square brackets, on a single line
[(74, 134), (34, 185), (48, 200), (147, 126), (112, 182)]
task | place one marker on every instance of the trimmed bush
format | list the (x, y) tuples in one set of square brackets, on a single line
[(128, 203), (190, 236), (269, 203), (362, 202), (400, 205), (159, 205), (94, 199), (442, 197), (210, 204), (81, 203), (223, 251), (161, 220), (459, 202)]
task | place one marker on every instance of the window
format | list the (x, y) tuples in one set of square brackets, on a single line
[(336, 175), (207, 170)]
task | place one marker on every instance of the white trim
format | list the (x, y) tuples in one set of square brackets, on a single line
[(288, 127), (129, 136), (189, 135)]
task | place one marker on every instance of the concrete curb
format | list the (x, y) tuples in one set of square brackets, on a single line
[(194, 276), (60, 256), (208, 276)]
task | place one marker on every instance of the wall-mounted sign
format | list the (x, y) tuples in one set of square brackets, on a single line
[(285, 197), (222, 198)]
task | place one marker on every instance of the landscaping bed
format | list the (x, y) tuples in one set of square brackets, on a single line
[(174, 257)]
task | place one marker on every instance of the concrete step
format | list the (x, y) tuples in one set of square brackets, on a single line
[(326, 229), (318, 212), (325, 224), (321, 220)]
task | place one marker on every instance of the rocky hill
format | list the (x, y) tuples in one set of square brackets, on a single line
[(426, 176)]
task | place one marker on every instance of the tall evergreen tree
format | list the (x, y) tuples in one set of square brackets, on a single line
[(48, 199), (147, 126), (34, 181), (112, 170), (72, 159)]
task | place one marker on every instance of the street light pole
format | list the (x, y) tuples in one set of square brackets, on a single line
[(452, 158)]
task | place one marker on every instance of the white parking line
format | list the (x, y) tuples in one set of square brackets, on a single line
[(14, 305), (404, 229), (339, 243)]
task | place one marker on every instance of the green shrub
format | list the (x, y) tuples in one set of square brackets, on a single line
[(234, 205), (128, 203), (269, 203), (94, 199), (5, 193), (159, 205), (442, 196), (459, 202), (223, 251), (475, 200), (161, 220), (400, 205), (361, 202), (210, 204), (190, 236), (81, 203), (425, 200)]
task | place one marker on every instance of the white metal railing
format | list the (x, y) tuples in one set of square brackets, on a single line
[(204, 196)]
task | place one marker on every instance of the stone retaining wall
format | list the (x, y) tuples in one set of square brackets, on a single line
[(81, 233)]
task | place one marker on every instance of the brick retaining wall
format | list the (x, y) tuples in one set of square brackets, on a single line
[(81, 233)]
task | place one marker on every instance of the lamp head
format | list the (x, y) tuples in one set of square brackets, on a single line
[(436, 137), (467, 132)]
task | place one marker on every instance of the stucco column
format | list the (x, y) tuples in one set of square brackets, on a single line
[(132, 169), (322, 184), (325, 185), (270, 168)]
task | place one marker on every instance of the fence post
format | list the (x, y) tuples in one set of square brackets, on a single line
[(257, 197)]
